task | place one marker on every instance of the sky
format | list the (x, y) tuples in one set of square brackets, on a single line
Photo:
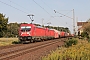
[(44, 11)]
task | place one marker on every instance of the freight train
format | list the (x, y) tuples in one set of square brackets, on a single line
[(31, 32)]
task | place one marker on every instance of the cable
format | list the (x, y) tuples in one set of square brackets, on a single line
[(52, 9), (41, 7), (19, 5), (23, 7), (59, 13), (63, 14), (13, 7), (46, 5), (68, 12)]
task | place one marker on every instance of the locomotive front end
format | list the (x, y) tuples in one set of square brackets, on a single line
[(25, 33)]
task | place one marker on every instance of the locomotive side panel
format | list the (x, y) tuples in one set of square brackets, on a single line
[(38, 33)]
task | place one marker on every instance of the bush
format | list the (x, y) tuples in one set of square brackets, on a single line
[(71, 42), (85, 35), (16, 42), (88, 40)]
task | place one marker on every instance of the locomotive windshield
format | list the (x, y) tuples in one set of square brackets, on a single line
[(25, 28)]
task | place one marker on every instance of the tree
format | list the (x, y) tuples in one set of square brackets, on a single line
[(12, 29), (67, 30), (86, 28), (84, 34), (3, 25)]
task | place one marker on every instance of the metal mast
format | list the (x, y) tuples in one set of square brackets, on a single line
[(74, 23)]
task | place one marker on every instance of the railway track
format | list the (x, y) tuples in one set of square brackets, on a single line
[(7, 54), (9, 46)]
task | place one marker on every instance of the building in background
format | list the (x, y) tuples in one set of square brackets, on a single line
[(80, 27)]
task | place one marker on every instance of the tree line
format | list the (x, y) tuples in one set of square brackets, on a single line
[(11, 29)]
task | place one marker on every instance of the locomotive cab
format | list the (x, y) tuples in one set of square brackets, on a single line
[(25, 32)]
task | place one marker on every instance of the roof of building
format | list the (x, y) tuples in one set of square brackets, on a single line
[(81, 23)]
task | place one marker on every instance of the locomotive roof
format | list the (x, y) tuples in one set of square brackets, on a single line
[(27, 24)]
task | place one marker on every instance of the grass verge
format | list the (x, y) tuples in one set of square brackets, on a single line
[(81, 51), (7, 41)]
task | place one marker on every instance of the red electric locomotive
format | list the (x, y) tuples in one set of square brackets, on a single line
[(30, 32)]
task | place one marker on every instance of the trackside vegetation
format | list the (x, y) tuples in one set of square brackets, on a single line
[(71, 42), (81, 51), (8, 41)]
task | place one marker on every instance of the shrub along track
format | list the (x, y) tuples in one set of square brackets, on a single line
[(22, 49)]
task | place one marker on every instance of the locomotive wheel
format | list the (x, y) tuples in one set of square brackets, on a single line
[(31, 40)]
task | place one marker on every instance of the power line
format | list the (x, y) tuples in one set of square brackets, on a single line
[(68, 12), (13, 7), (41, 7), (25, 8), (52, 9), (19, 5), (47, 5), (70, 18), (62, 14)]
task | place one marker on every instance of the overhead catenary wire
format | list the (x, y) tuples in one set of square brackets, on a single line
[(68, 12), (13, 7), (20, 6), (47, 5), (52, 9), (25, 8), (26, 13), (41, 7), (55, 11), (63, 14), (44, 10)]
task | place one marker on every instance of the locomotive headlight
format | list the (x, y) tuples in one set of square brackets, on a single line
[(21, 33), (28, 33)]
